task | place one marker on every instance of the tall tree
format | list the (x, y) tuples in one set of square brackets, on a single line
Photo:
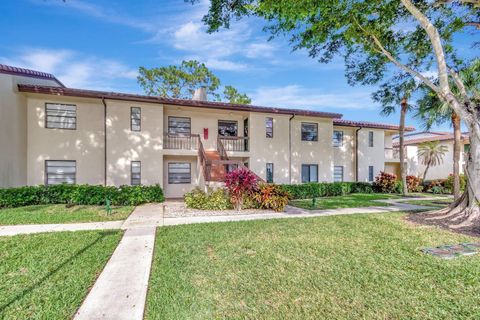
[(181, 81), (371, 37), (431, 154), (433, 111)]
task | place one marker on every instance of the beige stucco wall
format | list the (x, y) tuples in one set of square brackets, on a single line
[(265, 150), (205, 118), (370, 156), (125, 145), (85, 144), (13, 134), (312, 152), (345, 155), (178, 190)]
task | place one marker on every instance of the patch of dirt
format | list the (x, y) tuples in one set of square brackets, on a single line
[(423, 218)]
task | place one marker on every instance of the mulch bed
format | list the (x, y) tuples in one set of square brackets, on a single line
[(421, 218)]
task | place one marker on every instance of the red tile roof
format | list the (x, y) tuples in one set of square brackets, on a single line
[(367, 124), (181, 102), (441, 137), (28, 73)]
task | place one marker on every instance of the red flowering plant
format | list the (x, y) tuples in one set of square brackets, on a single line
[(385, 182), (241, 183)]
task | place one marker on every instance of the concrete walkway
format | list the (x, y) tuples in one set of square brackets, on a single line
[(396, 205), (38, 228), (121, 289)]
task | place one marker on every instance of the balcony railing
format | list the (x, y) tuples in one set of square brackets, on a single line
[(234, 143), (181, 142), (392, 153)]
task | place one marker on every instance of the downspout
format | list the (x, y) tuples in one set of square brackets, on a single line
[(104, 141), (290, 148), (356, 153)]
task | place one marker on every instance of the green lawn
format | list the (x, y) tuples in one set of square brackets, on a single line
[(47, 276), (349, 201), (59, 213), (337, 267)]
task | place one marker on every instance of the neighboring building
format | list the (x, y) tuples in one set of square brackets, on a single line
[(52, 134), (416, 168)]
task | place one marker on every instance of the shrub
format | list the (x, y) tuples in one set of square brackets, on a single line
[(271, 196), (413, 183), (385, 182), (325, 189), (448, 183), (429, 184), (217, 199), (79, 195), (240, 184)]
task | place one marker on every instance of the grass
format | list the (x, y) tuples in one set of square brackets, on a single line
[(337, 267), (47, 276), (349, 201), (59, 213)]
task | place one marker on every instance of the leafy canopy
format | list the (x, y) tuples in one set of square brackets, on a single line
[(181, 81)]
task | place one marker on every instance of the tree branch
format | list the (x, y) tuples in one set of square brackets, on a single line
[(475, 24)]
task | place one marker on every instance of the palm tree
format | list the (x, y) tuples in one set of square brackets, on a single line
[(433, 111), (431, 154)]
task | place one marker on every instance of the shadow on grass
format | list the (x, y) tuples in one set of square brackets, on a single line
[(73, 257)]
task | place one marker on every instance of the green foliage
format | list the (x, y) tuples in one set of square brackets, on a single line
[(178, 81), (217, 199), (413, 183), (324, 189), (271, 196), (386, 183), (448, 184), (233, 96), (79, 195), (181, 81)]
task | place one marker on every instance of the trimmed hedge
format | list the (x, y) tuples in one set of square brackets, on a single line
[(79, 195), (325, 189)]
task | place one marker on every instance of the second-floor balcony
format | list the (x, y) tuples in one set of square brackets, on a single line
[(181, 142), (392, 154), (238, 144)]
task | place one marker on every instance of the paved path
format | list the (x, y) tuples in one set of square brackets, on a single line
[(121, 289), (38, 228), (294, 212)]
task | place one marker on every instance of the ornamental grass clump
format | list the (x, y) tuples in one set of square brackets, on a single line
[(241, 183)]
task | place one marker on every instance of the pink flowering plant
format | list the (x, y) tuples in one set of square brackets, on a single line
[(241, 183)]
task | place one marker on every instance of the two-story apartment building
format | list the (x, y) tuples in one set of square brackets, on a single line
[(52, 134)]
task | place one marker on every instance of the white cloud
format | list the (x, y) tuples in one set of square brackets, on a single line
[(294, 96), (74, 69), (261, 49)]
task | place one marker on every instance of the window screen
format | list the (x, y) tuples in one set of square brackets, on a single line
[(179, 173), (370, 138), (60, 171), (269, 127), (136, 173), (370, 173), (337, 138), (135, 119), (309, 131), (269, 174), (60, 116), (309, 173), (179, 126), (338, 174)]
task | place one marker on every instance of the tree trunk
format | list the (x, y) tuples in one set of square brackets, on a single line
[(457, 134), (426, 170), (403, 169)]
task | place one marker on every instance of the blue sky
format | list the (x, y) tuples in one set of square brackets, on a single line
[(100, 45)]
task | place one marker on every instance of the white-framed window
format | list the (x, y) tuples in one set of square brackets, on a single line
[(60, 116), (136, 173), (60, 171), (370, 174), (269, 172), (337, 138), (135, 119), (179, 173), (370, 138), (309, 131), (227, 128), (338, 174), (309, 173), (179, 126), (269, 127)]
